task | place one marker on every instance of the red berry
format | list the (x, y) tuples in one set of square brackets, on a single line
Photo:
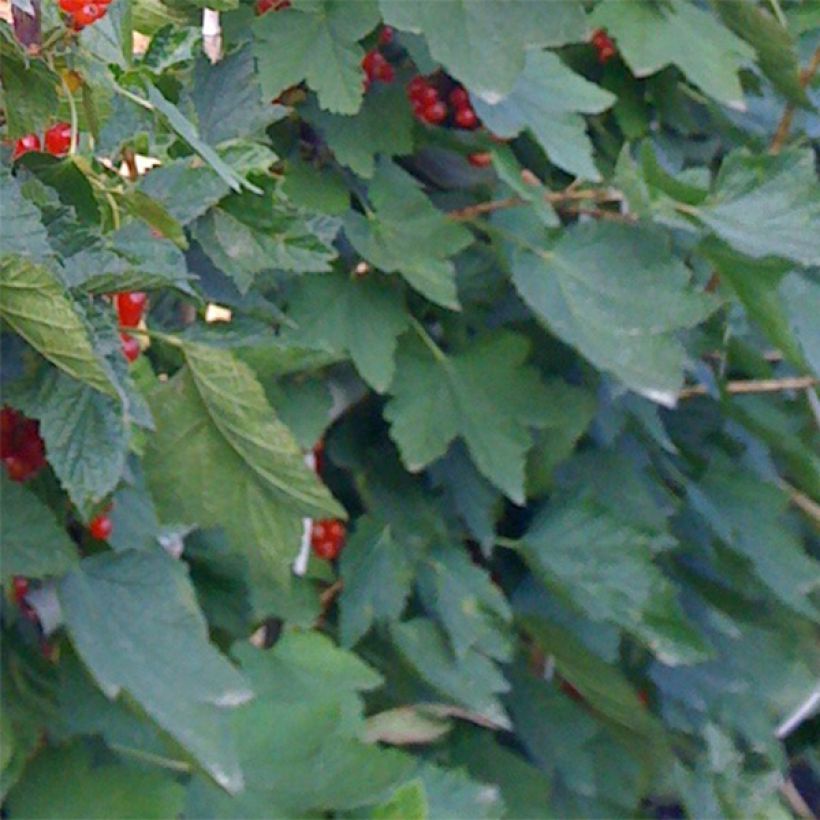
[(435, 113), (72, 6), (319, 456), (604, 44), (386, 36), (58, 139), (19, 586), (17, 468), (466, 118), (130, 347), (480, 160), (376, 67), (416, 86), (327, 538), (428, 96), (386, 73), (459, 97), (130, 307), (318, 532), (88, 14), (30, 142), (101, 527), (9, 423)]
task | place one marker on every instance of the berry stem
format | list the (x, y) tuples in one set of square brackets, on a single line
[(72, 107)]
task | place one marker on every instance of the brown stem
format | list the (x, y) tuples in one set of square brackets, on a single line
[(754, 386), (553, 197), (785, 124)]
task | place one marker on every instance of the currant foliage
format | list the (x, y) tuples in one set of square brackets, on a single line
[(459, 461)]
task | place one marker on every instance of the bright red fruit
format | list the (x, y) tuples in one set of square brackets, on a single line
[(130, 347), (376, 67), (72, 6), (130, 307), (459, 97), (466, 118), (480, 160), (30, 142), (434, 113), (416, 86), (327, 538), (271, 5), (604, 45), (386, 36), (89, 13), (58, 139), (101, 527)]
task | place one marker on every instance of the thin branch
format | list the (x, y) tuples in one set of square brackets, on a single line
[(802, 502), (754, 386), (785, 124), (557, 198)]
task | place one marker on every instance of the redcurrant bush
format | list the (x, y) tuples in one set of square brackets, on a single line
[(461, 462)]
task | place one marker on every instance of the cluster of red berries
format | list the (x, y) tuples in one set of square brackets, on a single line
[(57, 141), (130, 309), (21, 447), (375, 64), (84, 13), (263, 6), (430, 108), (327, 537), (604, 45)]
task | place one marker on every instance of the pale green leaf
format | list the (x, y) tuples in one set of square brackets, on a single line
[(383, 126), (472, 681), (548, 99), (362, 316), (484, 44), (32, 543), (21, 228), (34, 304), (486, 395), (388, 236), (63, 783), (408, 802), (221, 457), (618, 295), (376, 575), (651, 36), (135, 622), (316, 42)]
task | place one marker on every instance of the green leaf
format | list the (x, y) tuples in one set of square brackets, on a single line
[(228, 99), (408, 802), (33, 544), (34, 304), (86, 437), (155, 215), (248, 234), (63, 782), (220, 457), (185, 128), (383, 126), (548, 98), (134, 621), (29, 92), (21, 229), (185, 189), (766, 206), (472, 681), (602, 685), (472, 610), (605, 568), (388, 236), (749, 515), (801, 297), (775, 49), (651, 36), (618, 295), (316, 42), (484, 44), (486, 395), (451, 793), (362, 316), (376, 575)]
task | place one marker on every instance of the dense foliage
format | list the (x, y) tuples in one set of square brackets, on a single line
[(459, 460)]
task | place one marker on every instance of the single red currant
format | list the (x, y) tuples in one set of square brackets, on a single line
[(17, 468), (58, 139), (466, 118), (416, 86), (72, 6), (480, 160), (459, 97), (130, 347), (428, 96), (19, 586), (604, 45), (130, 307), (435, 113), (101, 527), (88, 14), (386, 36), (30, 142)]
